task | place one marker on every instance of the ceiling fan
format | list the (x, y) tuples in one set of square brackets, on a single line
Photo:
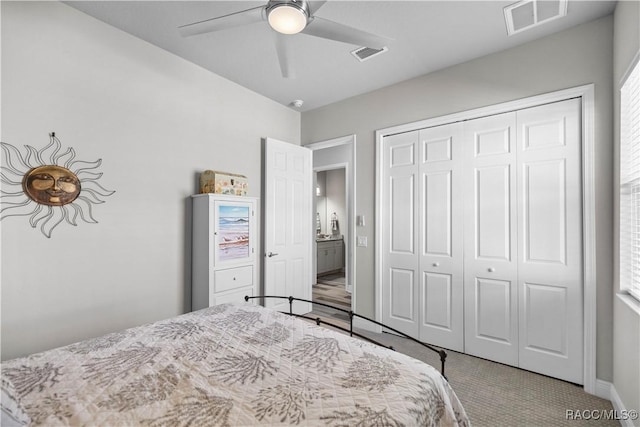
[(288, 17)]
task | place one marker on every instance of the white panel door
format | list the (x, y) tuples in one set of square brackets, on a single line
[(490, 266), (289, 227), (550, 240), (399, 240), (440, 239)]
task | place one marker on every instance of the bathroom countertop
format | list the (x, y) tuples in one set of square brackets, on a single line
[(328, 238)]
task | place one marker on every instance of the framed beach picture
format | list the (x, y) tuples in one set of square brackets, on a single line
[(234, 224)]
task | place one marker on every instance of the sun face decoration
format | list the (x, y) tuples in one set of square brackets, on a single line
[(52, 187)]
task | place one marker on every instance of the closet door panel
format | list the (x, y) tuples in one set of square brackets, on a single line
[(440, 242), (438, 201), (550, 239), (400, 273), (493, 305), (492, 212), (544, 212), (437, 306), (401, 295), (402, 218), (490, 265), (546, 321)]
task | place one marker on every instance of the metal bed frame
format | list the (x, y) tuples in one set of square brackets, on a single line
[(441, 353)]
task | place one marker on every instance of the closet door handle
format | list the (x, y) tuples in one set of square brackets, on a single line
[(491, 269), (436, 264)]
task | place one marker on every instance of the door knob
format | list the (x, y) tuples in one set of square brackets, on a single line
[(436, 264), (270, 254), (491, 269)]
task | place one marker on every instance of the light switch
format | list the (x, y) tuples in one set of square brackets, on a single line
[(362, 241), (360, 220)]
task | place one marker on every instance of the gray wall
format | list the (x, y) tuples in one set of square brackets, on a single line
[(574, 57), (626, 321), (156, 121)]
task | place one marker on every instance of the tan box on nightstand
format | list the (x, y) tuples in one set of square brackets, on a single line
[(223, 183)]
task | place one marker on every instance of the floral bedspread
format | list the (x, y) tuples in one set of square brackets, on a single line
[(227, 365)]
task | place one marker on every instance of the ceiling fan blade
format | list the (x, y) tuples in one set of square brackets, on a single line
[(236, 19), (326, 29), (314, 5), (283, 48)]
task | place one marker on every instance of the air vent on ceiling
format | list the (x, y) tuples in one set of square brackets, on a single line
[(527, 14), (364, 53)]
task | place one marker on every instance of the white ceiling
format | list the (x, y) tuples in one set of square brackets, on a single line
[(426, 36)]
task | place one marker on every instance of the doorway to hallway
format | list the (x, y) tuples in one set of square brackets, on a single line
[(334, 167)]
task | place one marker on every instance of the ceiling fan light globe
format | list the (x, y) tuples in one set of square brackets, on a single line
[(287, 19)]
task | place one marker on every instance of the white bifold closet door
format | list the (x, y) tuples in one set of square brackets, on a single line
[(482, 237), (523, 239), (550, 262), (400, 305), (490, 234), (440, 238), (423, 259)]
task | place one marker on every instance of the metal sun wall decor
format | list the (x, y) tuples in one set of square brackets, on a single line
[(50, 186)]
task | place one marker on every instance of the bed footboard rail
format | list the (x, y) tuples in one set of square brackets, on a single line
[(352, 314)]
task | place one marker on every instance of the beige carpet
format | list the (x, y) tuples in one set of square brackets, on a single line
[(497, 395)]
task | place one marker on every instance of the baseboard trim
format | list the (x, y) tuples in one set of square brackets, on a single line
[(607, 390), (603, 389), (619, 408), (366, 325)]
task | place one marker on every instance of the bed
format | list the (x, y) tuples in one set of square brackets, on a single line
[(226, 365)]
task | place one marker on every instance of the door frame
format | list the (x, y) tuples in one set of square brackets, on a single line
[(350, 190), (587, 94)]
